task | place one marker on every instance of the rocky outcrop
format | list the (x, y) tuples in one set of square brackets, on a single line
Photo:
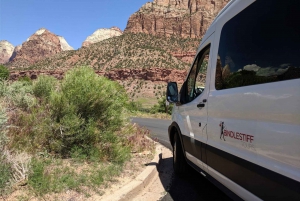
[(16, 50), (102, 34), (187, 57), (182, 18), (151, 74), (64, 44), (6, 50), (38, 46)]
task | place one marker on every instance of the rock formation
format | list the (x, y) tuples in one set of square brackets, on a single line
[(6, 50), (182, 18), (16, 50), (102, 34), (151, 74), (64, 44), (187, 57), (38, 46)]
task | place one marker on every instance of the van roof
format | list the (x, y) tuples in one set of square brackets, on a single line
[(220, 13), (211, 27)]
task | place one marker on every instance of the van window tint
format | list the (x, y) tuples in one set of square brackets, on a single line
[(259, 45)]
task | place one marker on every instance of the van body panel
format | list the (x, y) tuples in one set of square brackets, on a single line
[(249, 139), (240, 191), (256, 111)]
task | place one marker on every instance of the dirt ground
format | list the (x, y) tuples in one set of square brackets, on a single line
[(154, 191), (132, 168), (161, 182)]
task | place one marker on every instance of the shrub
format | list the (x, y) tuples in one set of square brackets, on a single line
[(25, 79), (4, 174), (4, 166), (20, 93), (78, 119), (4, 73), (134, 106), (43, 86), (3, 87), (161, 107)]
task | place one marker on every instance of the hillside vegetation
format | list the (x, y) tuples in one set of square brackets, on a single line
[(126, 51)]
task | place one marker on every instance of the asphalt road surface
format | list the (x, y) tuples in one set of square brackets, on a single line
[(190, 187)]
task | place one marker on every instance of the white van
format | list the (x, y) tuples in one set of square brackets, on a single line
[(236, 118)]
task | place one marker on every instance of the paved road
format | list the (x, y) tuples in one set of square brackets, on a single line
[(191, 187)]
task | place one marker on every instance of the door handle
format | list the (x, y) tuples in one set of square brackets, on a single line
[(201, 105)]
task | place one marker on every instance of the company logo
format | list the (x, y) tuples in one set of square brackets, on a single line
[(235, 135), (222, 129)]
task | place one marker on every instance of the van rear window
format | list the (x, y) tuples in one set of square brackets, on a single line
[(259, 45)]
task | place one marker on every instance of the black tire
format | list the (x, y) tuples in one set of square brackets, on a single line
[(179, 162)]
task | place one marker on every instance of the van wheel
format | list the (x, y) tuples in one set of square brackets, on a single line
[(179, 162)]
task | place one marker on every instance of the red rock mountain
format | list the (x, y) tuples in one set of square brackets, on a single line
[(102, 34), (183, 18), (6, 50), (38, 46)]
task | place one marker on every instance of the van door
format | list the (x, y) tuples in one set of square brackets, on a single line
[(254, 101), (194, 94)]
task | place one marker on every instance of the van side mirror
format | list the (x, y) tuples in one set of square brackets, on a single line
[(172, 92)]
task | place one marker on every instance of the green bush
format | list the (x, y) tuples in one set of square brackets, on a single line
[(4, 73), (134, 106), (25, 79), (5, 173), (161, 107), (20, 93), (79, 119), (43, 86), (3, 87)]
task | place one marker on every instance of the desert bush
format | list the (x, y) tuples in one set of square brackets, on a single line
[(20, 93), (79, 118), (25, 79), (4, 73), (4, 166), (3, 87), (4, 174), (161, 107), (43, 86), (134, 106), (18, 164), (3, 137)]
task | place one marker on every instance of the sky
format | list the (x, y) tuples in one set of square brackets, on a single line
[(75, 20)]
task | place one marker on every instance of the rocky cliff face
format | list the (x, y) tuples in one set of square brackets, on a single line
[(151, 74), (64, 44), (6, 50), (16, 50), (38, 46), (182, 18), (102, 34)]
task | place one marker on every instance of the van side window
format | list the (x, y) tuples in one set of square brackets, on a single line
[(260, 45), (195, 83)]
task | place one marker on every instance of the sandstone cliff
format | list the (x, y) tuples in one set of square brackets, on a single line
[(6, 50), (102, 34), (151, 74), (182, 18), (38, 46), (64, 44), (16, 50)]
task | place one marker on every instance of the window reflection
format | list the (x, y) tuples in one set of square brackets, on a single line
[(260, 45)]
